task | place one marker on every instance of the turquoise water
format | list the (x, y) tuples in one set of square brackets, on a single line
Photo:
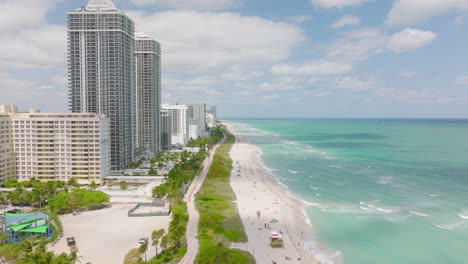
[(381, 191)]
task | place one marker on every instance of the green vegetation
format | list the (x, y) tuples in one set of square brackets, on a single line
[(33, 251), (123, 185), (187, 167), (53, 197), (220, 224), (216, 135), (133, 257), (173, 244), (77, 199), (181, 175)]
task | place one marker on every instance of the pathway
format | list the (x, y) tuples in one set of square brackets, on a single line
[(192, 226)]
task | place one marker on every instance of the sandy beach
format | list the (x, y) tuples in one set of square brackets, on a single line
[(257, 190), (105, 236)]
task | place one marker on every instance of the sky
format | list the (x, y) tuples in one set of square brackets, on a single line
[(265, 58)]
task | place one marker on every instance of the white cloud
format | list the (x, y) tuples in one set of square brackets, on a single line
[(17, 14), (191, 4), (408, 12), (358, 84), (43, 46), (346, 20), (408, 74), (281, 84), (33, 92), (357, 45), (410, 39), (207, 43), (320, 68), (269, 97), (462, 81), (338, 3), (26, 40)]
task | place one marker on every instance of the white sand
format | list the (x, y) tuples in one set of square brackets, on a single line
[(105, 236), (256, 189)]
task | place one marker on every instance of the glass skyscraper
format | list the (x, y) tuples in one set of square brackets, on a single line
[(101, 72), (147, 95)]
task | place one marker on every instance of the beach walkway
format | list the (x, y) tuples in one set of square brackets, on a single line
[(194, 216)]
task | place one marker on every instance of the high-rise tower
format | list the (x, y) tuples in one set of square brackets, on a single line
[(147, 95), (101, 71)]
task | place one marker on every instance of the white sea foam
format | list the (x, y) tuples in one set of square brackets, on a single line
[(376, 209), (306, 218), (434, 195), (315, 188), (317, 194), (364, 208), (348, 210), (447, 226), (385, 179), (335, 166), (463, 215), (419, 213), (387, 210), (294, 172)]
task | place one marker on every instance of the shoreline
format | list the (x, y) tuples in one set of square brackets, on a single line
[(292, 209)]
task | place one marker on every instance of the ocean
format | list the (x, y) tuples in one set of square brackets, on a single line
[(379, 191)]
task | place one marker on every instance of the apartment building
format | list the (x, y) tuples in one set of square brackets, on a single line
[(197, 116), (147, 95), (59, 146), (7, 155), (166, 129), (101, 72), (180, 123)]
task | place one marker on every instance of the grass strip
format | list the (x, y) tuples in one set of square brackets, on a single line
[(220, 223)]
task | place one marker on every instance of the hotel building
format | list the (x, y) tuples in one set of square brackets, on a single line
[(7, 155), (57, 146)]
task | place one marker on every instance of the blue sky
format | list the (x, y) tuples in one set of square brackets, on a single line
[(259, 58)]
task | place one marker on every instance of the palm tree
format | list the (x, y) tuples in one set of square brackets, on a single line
[(3, 201), (164, 243), (143, 248), (155, 236)]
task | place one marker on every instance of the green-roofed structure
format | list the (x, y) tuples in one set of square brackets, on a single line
[(39, 230), (25, 226)]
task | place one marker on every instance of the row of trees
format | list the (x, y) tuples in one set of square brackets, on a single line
[(28, 252), (76, 199), (180, 176), (216, 135), (173, 244), (189, 163), (58, 195)]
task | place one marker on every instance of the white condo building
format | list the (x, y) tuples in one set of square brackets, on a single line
[(7, 155), (210, 121), (180, 123), (54, 146), (197, 116)]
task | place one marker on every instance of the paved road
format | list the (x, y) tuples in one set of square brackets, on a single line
[(192, 226)]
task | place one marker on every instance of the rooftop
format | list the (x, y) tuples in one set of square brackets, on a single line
[(101, 5)]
